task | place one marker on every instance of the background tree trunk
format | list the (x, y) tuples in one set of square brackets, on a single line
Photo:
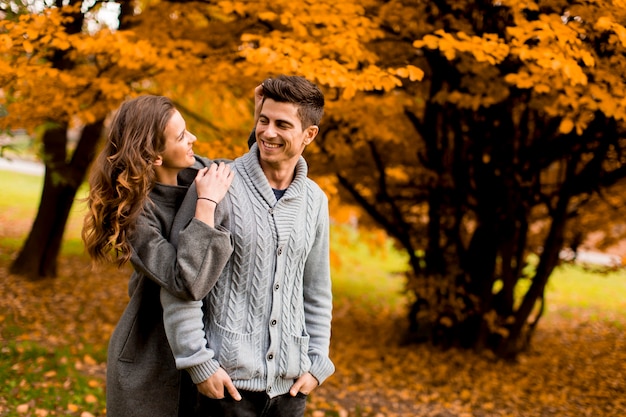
[(38, 257)]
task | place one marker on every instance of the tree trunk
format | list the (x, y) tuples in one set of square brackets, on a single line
[(38, 257)]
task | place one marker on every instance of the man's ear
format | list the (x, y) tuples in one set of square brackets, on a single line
[(158, 161), (311, 133)]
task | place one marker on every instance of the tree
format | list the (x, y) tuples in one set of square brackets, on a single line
[(57, 73), (56, 76), (35, 38), (475, 171), (478, 170)]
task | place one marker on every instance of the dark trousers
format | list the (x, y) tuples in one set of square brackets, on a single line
[(188, 395), (252, 404)]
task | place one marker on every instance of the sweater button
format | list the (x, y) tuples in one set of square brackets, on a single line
[(273, 322), (280, 251), (270, 357)]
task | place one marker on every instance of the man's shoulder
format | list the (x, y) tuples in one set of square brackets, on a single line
[(201, 162), (315, 189)]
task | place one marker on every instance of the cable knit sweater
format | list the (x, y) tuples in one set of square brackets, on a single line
[(267, 320)]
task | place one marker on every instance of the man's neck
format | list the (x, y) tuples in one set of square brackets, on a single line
[(279, 177)]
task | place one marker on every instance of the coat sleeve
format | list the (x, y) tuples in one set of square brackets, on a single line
[(189, 272), (318, 298)]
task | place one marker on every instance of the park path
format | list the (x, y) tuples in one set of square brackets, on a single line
[(22, 166)]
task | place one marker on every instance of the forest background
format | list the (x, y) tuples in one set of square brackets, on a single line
[(482, 137)]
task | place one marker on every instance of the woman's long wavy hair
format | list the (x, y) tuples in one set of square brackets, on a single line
[(123, 175)]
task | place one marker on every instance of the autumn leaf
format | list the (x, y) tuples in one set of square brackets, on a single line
[(566, 126)]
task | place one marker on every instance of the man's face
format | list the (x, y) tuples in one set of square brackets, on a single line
[(280, 136)]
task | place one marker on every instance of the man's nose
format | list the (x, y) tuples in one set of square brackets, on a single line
[(270, 130)]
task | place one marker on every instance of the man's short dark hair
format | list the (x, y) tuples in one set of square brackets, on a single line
[(297, 90)]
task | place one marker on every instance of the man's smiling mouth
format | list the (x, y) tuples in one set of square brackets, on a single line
[(271, 145)]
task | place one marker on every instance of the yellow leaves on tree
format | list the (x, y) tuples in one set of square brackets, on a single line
[(556, 61), (558, 65), (325, 41), (103, 64), (488, 48), (606, 24), (178, 48)]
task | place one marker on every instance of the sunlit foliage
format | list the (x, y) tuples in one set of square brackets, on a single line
[(471, 131)]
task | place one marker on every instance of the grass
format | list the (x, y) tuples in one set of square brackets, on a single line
[(576, 287), (20, 193), (51, 379), (365, 267), (19, 200)]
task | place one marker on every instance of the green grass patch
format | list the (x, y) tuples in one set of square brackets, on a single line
[(366, 268), (38, 378), (20, 193), (600, 295)]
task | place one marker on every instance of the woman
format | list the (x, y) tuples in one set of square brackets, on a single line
[(136, 187)]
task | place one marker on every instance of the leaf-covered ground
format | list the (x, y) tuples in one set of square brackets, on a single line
[(53, 337)]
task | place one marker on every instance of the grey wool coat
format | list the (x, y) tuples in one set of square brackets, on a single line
[(142, 379)]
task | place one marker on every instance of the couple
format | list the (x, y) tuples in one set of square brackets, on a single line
[(236, 253)]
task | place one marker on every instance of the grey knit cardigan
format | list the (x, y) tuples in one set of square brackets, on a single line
[(267, 321)]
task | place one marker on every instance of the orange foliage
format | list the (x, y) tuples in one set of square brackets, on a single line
[(197, 53), (433, 108)]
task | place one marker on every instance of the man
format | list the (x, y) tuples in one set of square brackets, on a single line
[(263, 342)]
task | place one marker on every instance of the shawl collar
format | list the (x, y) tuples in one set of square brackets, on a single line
[(256, 180), (290, 207)]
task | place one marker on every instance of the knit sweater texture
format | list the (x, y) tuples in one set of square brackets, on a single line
[(267, 320)]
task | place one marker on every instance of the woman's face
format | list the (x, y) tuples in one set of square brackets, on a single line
[(178, 153)]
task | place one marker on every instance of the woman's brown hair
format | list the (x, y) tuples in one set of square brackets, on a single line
[(123, 175)]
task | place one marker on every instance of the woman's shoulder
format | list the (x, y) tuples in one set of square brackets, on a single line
[(187, 175)]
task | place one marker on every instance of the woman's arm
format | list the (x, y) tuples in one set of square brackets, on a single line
[(189, 262), (190, 272)]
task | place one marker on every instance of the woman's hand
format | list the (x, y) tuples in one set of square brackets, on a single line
[(212, 184)]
